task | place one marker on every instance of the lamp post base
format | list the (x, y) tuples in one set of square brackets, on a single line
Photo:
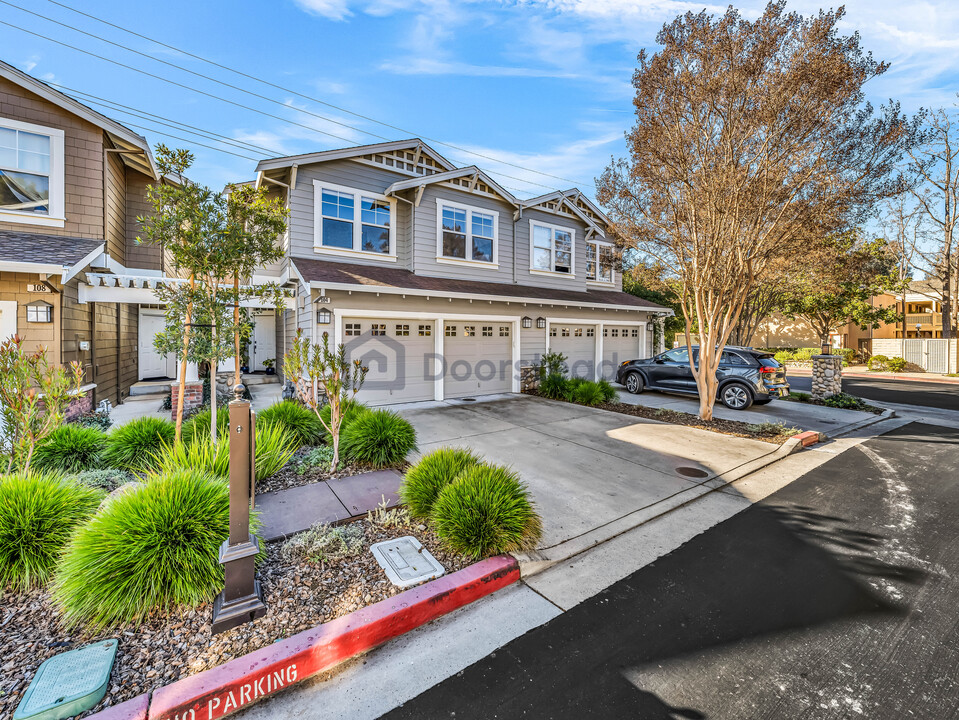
[(228, 614)]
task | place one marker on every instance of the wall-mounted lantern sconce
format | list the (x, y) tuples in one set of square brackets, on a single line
[(527, 322), (324, 316), (541, 323)]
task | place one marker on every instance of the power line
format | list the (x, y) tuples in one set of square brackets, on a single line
[(178, 137), (310, 98)]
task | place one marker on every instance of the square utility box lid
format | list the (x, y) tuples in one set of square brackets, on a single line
[(406, 561), (69, 683)]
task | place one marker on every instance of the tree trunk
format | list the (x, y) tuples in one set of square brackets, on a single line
[(183, 361), (237, 378)]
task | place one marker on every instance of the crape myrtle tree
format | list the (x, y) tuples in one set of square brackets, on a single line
[(750, 139), (214, 240)]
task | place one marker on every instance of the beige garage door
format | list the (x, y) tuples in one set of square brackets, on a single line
[(578, 344), (477, 358), (620, 343), (398, 354)]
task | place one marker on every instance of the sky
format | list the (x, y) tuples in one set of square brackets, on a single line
[(535, 92)]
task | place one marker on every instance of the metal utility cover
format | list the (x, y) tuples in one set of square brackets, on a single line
[(406, 561), (69, 683)]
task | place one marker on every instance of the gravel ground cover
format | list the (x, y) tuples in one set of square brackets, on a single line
[(300, 593), (294, 474)]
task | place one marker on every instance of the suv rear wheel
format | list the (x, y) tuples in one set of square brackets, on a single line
[(736, 396)]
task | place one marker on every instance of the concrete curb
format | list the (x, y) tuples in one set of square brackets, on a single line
[(886, 376), (237, 684)]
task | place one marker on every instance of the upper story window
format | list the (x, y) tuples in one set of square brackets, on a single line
[(31, 174), (551, 248), (466, 234), (353, 221), (599, 262)]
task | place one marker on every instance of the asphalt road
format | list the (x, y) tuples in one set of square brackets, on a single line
[(925, 394), (835, 597)]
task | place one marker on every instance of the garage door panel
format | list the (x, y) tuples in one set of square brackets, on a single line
[(477, 358), (398, 354), (578, 344), (620, 343)]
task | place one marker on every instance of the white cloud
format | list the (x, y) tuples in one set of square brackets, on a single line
[(332, 9), (429, 66)]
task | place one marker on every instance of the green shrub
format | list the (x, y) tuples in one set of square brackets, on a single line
[(877, 363), (848, 355), (108, 479), (555, 387), (784, 356), (378, 437), (70, 449), (896, 364), (609, 392), (151, 549), (431, 474), (552, 363), (274, 448), (845, 402), (588, 393), (38, 513), (486, 511), (301, 422), (322, 543), (352, 409), (804, 355), (134, 446), (94, 420), (773, 428), (319, 458), (198, 425)]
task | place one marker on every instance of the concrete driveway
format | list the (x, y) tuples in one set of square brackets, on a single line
[(592, 473)]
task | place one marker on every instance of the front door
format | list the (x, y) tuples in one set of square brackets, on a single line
[(264, 341), (8, 319), (152, 363)]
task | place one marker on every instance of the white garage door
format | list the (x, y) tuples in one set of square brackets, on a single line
[(398, 354), (578, 344), (477, 358), (620, 343)]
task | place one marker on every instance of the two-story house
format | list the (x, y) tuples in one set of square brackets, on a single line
[(442, 281), (72, 183)]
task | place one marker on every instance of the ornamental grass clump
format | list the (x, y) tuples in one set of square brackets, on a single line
[(379, 438), (486, 511), (70, 449), (609, 392), (135, 445), (301, 422), (555, 387), (38, 514), (198, 426), (148, 550), (435, 471), (352, 409), (588, 393)]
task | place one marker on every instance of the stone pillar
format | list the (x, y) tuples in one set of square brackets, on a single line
[(528, 378), (826, 376)]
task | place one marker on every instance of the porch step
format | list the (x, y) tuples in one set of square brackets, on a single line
[(148, 397), (150, 387), (226, 379)]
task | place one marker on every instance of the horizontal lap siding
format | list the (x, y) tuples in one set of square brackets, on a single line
[(35, 336)]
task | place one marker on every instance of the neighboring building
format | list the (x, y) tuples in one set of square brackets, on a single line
[(72, 183), (441, 280)]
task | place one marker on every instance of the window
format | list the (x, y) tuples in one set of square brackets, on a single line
[(635, 332), (599, 262), (504, 330), (469, 331), (578, 332), (31, 174), (40, 312), (352, 329), (678, 355), (402, 330), (552, 332), (565, 332), (487, 331), (552, 248), (376, 329), (466, 234), (353, 221), (450, 331), (614, 332), (605, 332), (590, 332), (425, 331)]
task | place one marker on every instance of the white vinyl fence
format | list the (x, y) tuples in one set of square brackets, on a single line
[(935, 356)]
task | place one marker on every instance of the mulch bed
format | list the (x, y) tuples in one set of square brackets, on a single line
[(289, 476), (300, 594)]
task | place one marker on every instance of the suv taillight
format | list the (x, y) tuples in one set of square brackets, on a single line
[(764, 369)]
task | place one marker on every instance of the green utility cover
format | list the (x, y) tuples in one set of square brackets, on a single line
[(69, 683)]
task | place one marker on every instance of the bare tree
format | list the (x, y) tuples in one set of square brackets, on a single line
[(750, 138), (902, 225)]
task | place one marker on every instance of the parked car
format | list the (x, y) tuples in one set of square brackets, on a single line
[(746, 376)]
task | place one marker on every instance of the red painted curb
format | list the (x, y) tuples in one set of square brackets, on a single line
[(134, 709), (807, 438), (239, 683)]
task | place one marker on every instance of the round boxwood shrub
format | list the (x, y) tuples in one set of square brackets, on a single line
[(431, 474), (134, 446), (38, 513), (197, 426), (148, 550), (877, 363), (486, 511), (299, 421), (70, 449), (377, 437)]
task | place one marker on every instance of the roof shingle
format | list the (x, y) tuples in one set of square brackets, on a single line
[(17, 246)]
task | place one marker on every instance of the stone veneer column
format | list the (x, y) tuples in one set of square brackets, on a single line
[(528, 378), (826, 376)]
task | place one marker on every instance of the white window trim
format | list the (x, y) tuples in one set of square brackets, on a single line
[(57, 216), (572, 250), (358, 194), (470, 209), (596, 280)]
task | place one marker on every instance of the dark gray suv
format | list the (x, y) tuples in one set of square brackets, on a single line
[(746, 376)]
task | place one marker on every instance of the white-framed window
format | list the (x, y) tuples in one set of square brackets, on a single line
[(350, 221), (635, 332), (578, 332), (469, 331), (552, 331), (551, 248), (40, 312), (450, 331), (352, 329), (615, 332), (590, 332), (31, 174), (426, 331), (504, 330), (402, 330), (487, 331), (378, 329), (565, 332), (466, 234), (599, 262)]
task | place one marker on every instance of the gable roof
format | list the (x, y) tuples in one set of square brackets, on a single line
[(355, 151), (471, 171), (122, 136), (570, 198), (53, 254)]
